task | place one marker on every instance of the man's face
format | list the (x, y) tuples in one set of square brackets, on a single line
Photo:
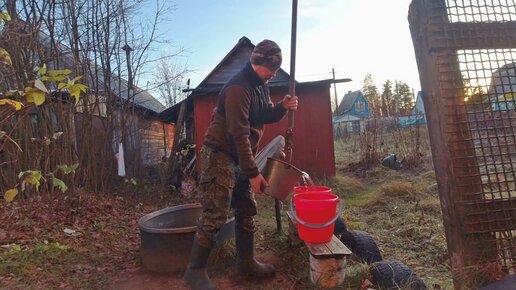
[(265, 73)]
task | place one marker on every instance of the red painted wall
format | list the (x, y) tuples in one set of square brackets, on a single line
[(313, 150)]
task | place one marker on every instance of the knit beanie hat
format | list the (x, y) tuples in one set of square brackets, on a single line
[(268, 54)]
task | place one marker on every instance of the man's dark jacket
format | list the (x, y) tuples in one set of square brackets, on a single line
[(243, 107)]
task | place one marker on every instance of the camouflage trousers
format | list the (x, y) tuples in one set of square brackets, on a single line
[(222, 188)]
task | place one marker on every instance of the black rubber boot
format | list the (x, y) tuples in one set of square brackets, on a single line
[(246, 263), (196, 276)]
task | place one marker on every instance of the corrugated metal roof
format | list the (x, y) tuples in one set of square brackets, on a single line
[(136, 95), (119, 86)]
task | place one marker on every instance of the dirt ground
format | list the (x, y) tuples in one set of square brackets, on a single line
[(40, 251), (144, 279)]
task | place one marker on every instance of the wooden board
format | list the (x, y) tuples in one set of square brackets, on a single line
[(332, 249)]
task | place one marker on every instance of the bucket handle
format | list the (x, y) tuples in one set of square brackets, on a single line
[(314, 226)]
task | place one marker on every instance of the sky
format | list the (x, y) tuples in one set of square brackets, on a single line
[(353, 37)]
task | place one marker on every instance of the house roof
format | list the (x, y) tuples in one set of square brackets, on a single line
[(232, 63), (345, 118), (136, 95), (119, 86), (347, 102)]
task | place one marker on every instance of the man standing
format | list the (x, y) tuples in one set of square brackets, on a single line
[(229, 176)]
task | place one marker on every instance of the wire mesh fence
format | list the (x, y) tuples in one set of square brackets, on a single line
[(466, 53)]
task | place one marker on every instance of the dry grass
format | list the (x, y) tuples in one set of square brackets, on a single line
[(344, 185), (480, 275), (401, 210)]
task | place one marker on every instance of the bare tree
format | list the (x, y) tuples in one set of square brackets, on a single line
[(170, 81), (86, 36)]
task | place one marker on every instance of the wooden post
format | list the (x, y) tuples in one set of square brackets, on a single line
[(453, 152), (177, 134)]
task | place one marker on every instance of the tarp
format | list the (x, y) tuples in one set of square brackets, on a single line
[(412, 120)]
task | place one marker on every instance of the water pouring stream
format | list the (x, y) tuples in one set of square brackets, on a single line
[(306, 180)]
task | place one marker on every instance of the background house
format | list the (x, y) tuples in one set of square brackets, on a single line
[(313, 150), (350, 117), (111, 113), (417, 115), (130, 122), (419, 106), (135, 124)]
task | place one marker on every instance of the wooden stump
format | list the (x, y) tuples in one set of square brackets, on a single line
[(327, 260), (327, 272)]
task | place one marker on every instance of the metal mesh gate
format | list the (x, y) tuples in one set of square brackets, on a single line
[(466, 54)]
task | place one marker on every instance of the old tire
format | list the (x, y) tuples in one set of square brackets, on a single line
[(340, 227), (362, 245), (393, 274)]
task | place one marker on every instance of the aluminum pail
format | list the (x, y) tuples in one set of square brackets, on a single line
[(282, 178)]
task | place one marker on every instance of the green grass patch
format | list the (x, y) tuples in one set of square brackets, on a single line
[(359, 199), (20, 260), (344, 185), (356, 273)]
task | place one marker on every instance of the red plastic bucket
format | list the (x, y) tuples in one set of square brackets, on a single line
[(315, 214), (311, 188)]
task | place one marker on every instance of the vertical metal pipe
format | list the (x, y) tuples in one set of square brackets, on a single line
[(277, 210), (335, 91), (292, 81), (292, 92)]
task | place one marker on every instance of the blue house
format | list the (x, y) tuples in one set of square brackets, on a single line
[(419, 107), (417, 116), (350, 116)]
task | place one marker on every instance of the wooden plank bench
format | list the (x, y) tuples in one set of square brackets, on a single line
[(327, 260)]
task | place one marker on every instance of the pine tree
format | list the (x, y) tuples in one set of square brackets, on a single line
[(370, 92), (387, 97), (404, 98)]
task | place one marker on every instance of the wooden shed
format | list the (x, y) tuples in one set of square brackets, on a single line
[(313, 150), (146, 140)]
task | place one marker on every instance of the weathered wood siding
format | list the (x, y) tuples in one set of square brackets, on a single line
[(156, 141)]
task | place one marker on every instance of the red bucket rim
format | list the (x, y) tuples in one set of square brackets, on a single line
[(305, 188), (304, 195)]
